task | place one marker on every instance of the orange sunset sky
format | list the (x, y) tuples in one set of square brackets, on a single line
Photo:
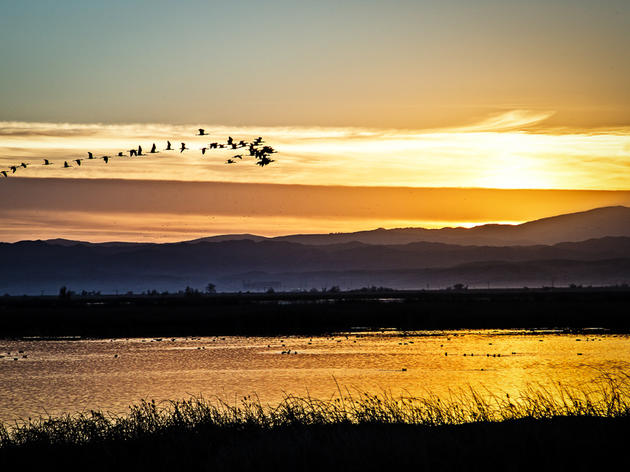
[(385, 114)]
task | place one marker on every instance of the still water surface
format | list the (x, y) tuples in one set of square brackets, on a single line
[(67, 376)]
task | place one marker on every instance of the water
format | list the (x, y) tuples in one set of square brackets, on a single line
[(67, 376)]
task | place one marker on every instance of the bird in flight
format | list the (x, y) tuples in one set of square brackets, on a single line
[(90, 155), (120, 154), (140, 151), (238, 156), (202, 132), (78, 161), (230, 140), (154, 149), (13, 169), (4, 172), (203, 150), (183, 148), (230, 161), (23, 165), (47, 162), (66, 165), (263, 161), (168, 146), (106, 159), (133, 152)]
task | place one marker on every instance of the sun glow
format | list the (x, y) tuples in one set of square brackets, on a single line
[(476, 156)]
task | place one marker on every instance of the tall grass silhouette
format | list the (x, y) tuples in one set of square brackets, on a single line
[(607, 397)]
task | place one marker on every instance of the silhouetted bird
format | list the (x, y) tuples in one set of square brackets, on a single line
[(78, 161), (120, 154), (23, 164), (238, 156), (154, 149), (202, 132), (183, 148), (234, 146), (230, 141), (242, 143), (106, 159), (264, 161), (66, 165), (13, 169), (203, 150), (47, 162), (4, 172), (140, 151), (230, 161), (168, 146), (90, 156), (214, 145)]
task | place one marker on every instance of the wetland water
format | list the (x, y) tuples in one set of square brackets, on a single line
[(67, 376)]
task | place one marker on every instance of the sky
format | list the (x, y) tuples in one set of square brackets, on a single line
[(413, 103)]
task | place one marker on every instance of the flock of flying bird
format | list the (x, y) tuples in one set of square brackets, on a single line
[(254, 148)]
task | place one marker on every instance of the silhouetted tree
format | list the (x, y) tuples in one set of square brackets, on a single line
[(191, 292), (211, 288), (64, 292)]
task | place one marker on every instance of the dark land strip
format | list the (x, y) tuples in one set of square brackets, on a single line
[(313, 313)]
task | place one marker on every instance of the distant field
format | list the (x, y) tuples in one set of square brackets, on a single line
[(312, 313)]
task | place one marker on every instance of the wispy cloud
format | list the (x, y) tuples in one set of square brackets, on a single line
[(506, 150), (509, 120)]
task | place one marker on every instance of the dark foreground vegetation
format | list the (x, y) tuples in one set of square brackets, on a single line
[(565, 428), (312, 313)]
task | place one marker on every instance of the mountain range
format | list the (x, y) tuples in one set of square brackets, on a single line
[(591, 248)]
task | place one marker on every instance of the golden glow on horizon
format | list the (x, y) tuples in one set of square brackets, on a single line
[(128, 210), (98, 227)]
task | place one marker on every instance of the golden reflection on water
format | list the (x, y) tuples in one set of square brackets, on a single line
[(68, 376)]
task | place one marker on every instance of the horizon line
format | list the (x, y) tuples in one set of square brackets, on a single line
[(332, 233)]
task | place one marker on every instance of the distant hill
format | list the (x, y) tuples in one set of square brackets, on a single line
[(591, 247), (572, 227), (227, 237), (591, 224), (33, 266)]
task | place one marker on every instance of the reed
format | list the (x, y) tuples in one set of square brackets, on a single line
[(607, 397)]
